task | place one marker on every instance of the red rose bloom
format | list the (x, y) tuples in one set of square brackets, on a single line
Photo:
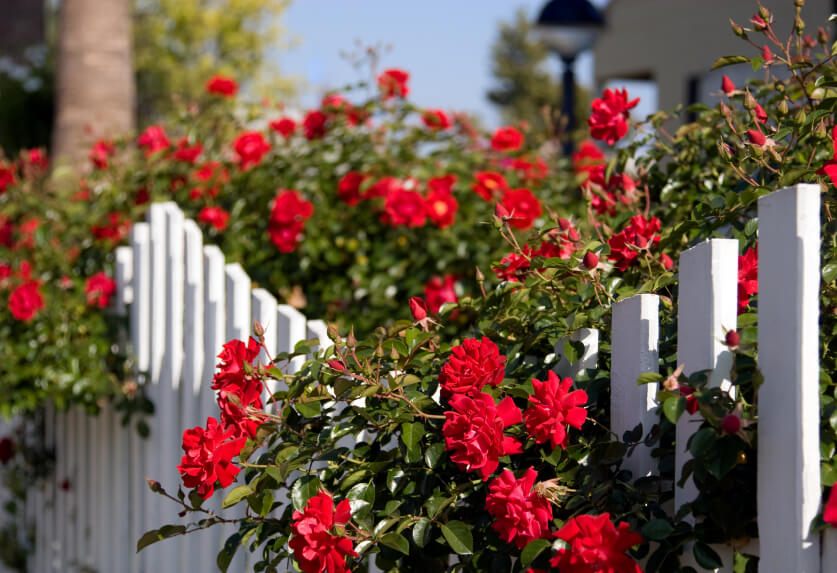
[(6, 232), (26, 300), (596, 546), (829, 168), (231, 370), (7, 178), (214, 216), (393, 82), (506, 139), (438, 292), (383, 187), (402, 207), (829, 512), (239, 392), (474, 432), (284, 126), (638, 235), (348, 188), (520, 514), (187, 153), (441, 208), (221, 85), (98, 289), (314, 124), (513, 266), (36, 159), (553, 408), (442, 183), (100, 153), (523, 206), (316, 548), (115, 230), (250, 147), (287, 219), (208, 457), (748, 277), (533, 171), (609, 120), (587, 158), (489, 185), (153, 139), (472, 365), (435, 119)]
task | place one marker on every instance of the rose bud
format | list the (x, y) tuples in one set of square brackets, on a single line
[(591, 260), (758, 23), (501, 212), (564, 224), (666, 261), (731, 424), (756, 137), (418, 308), (727, 85), (732, 339), (761, 115), (336, 365), (766, 55)]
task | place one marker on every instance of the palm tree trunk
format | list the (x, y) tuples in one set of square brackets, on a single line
[(95, 90)]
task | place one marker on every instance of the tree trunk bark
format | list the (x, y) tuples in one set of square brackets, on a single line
[(95, 89)]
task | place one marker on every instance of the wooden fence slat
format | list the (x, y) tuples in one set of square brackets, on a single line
[(788, 310), (292, 328), (264, 311), (634, 351), (193, 326), (588, 360)]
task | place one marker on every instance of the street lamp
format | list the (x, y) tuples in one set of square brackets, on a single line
[(568, 27)]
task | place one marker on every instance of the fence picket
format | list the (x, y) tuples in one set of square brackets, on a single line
[(291, 328), (589, 337), (264, 311), (634, 341), (788, 309)]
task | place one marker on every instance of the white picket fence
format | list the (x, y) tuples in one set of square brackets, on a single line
[(185, 303)]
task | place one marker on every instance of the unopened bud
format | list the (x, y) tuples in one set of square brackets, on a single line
[(666, 261), (258, 328), (591, 260), (418, 308), (564, 224), (782, 108), (800, 116), (758, 22), (822, 36), (799, 24), (820, 132), (732, 339), (737, 30), (799, 3), (479, 275), (766, 55), (351, 340), (731, 424), (749, 101), (501, 212), (333, 333), (394, 354), (756, 137), (726, 85), (154, 485), (336, 365)]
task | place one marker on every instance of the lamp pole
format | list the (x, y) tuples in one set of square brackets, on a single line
[(568, 101)]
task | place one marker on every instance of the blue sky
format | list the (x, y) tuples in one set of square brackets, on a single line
[(444, 44)]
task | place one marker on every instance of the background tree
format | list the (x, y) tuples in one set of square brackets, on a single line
[(179, 44), (526, 89)]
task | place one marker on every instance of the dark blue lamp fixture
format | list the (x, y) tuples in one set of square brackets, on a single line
[(568, 27)]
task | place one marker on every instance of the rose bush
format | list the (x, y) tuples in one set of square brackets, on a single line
[(445, 442)]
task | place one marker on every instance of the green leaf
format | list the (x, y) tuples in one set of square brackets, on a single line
[(729, 61), (648, 378), (829, 272), (757, 63), (411, 434), (532, 550), (570, 353), (261, 503), (236, 495), (421, 532), (701, 441), (304, 489), (706, 556), (395, 477), (397, 542), (308, 409), (155, 535), (657, 529), (433, 454), (458, 535), (673, 407)]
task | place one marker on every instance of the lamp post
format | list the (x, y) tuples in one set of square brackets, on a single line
[(568, 27)]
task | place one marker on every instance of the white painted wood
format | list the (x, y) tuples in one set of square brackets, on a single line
[(292, 328), (634, 351), (788, 309), (707, 307), (319, 329), (590, 338), (193, 326), (104, 486), (264, 311), (124, 277), (46, 543), (141, 345)]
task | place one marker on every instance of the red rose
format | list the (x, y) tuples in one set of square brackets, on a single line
[(115, 230), (731, 424), (383, 187), (638, 235), (418, 308), (7, 449), (239, 391), (284, 125), (594, 546), (533, 171), (766, 54), (211, 173), (513, 266), (98, 289), (489, 185), (153, 139), (214, 216), (748, 277), (316, 548), (435, 119), (442, 183), (560, 244), (208, 457), (609, 120), (7, 178), (36, 159), (506, 139), (756, 137), (829, 168), (590, 261), (471, 366), (523, 206), (520, 514), (250, 147), (287, 219), (553, 408), (187, 153), (393, 82), (829, 513), (761, 115), (474, 432), (221, 85), (100, 153), (438, 291), (441, 208), (666, 261), (727, 86), (402, 207), (732, 339), (314, 124), (348, 188), (26, 300)]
